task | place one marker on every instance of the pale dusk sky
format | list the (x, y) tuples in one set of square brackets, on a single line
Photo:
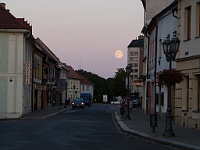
[(84, 33)]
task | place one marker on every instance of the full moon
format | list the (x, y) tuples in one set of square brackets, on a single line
[(118, 54)]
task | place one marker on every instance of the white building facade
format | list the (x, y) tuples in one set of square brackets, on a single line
[(151, 9), (15, 67)]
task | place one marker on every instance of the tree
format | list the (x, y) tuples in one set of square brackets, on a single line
[(118, 84), (112, 86), (100, 84)]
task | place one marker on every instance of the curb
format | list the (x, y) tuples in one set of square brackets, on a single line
[(175, 144), (53, 114)]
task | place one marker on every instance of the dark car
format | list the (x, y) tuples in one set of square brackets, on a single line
[(136, 103), (78, 103)]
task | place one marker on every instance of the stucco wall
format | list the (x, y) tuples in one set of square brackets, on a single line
[(11, 75), (189, 47), (187, 114), (71, 90), (15, 95)]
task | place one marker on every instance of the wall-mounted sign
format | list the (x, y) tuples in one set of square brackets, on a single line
[(43, 88), (28, 67)]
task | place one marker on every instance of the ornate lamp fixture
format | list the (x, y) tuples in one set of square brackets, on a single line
[(170, 49)]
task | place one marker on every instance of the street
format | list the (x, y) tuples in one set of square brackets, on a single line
[(79, 129)]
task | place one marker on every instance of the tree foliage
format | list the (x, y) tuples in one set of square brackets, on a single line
[(118, 84), (111, 87), (100, 84)]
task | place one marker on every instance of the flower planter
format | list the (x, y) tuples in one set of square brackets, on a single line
[(170, 77)]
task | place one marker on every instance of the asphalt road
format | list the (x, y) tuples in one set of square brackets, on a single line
[(91, 128)]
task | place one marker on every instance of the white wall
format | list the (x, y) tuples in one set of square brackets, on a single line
[(15, 95), (166, 26)]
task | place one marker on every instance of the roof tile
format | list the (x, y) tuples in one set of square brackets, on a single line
[(8, 21), (72, 74), (84, 80)]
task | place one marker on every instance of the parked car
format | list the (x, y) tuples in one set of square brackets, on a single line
[(136, 103), (78, 103)]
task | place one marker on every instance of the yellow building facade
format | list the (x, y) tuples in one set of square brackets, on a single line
[(187, 93)]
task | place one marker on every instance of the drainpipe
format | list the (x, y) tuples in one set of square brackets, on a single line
[(153, 117), (147, 77), (32, 95), (155, 72)]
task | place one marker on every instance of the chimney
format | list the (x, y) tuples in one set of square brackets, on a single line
[(140, 37), (3, 5)]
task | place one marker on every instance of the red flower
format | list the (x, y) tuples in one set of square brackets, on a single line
[(170, 77)]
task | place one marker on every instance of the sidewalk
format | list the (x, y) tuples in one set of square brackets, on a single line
[(139, 125), (46, 112)]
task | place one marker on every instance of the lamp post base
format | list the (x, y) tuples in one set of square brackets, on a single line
[(153, 121), (169, 130), (128, 114)]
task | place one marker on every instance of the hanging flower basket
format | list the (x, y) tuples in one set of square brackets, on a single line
[(170, 77)]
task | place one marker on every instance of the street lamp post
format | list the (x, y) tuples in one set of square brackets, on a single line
[(123, 84), (170, 49), (128, 71)]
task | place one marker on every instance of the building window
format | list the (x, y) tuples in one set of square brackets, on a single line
[(198, 19), (135, 60), (38, 70), (87, 88), (135, 53), (135, 65), (187, 23), (131, 58), (161, 99), (152, 52), (53, 72), (160, 49)]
